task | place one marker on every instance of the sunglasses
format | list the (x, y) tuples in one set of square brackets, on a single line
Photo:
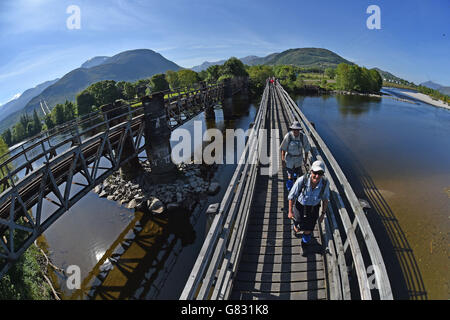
[(319, 173)]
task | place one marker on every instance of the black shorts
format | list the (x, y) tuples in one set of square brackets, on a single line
[(305, 217)]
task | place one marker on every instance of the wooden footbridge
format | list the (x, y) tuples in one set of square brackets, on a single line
[(250, 251)]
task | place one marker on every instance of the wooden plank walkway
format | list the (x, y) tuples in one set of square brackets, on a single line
[(273, 264)]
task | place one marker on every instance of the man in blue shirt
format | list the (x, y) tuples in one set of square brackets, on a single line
[(304, 200)]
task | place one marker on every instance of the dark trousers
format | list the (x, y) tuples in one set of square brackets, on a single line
[(297, 170), (305, 217)]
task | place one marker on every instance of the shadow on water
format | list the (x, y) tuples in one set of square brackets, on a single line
[(403, 271), (143, 253)]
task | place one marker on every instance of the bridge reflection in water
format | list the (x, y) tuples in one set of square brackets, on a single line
[(138, 263)]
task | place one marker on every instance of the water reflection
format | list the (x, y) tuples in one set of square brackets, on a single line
[(356, 105), (139, 256)]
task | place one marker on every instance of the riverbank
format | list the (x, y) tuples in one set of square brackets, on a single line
[(373, 95), (426, 99), (29, 278)]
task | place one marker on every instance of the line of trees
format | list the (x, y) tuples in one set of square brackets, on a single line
[(107, 91), (356, 78)]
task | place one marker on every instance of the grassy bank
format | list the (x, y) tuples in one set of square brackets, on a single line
[(25, 280)]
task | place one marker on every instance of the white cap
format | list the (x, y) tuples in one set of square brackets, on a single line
[(318, 166), (295, 126)]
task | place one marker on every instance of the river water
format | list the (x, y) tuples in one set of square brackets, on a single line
[(395, 154)]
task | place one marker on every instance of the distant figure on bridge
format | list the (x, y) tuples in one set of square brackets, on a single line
[(292, 152), (304, 200)]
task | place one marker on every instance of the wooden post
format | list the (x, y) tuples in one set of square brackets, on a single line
[(157, 138)]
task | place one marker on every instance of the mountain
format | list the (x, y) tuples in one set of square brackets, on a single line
[(20, 102), (126, 66), (436, 86), (301, 57), (306, 57), (93, 62), (205, 65)]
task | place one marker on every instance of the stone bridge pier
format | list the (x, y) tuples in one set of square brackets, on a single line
[(227, 102), (157, 138)]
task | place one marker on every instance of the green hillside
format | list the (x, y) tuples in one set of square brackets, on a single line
[(306, 57), (126, 66)]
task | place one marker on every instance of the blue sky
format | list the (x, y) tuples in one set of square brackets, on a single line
[(36, 45)]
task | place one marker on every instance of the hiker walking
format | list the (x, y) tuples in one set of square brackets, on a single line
[(292, 152), (304, 200)]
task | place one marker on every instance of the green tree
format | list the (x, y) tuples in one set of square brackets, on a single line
[(48, 120), (284, 72), (202, 75), (69, 111), (104, 92), (234, 67), (24, 119), (213, 73), (58, 114), (37, 125), (30, 130), (85, 102), (376, 79), (19, 132), (187, 78), (159, 83), (330, 72), (343, 77), (3, 150), (129, 91), (173, 79), (7, 137), (258, 76)]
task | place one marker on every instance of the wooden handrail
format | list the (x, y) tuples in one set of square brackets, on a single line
[(383, 283)]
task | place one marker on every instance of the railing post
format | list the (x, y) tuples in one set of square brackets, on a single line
[(157, 138), (132, 168)]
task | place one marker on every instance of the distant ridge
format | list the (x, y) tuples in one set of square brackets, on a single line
[(129, 65), (93, 62), (301, 57), (19, 103), (436, 86)]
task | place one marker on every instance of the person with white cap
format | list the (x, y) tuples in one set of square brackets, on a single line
[(304, 200), (292, 147)]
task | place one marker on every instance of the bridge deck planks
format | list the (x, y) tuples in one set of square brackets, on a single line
[(273, 264)]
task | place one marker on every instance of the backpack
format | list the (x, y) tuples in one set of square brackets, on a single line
[(290, 138), (303, 186)]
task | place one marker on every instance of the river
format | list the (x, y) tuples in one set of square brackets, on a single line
[(396, 155)]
